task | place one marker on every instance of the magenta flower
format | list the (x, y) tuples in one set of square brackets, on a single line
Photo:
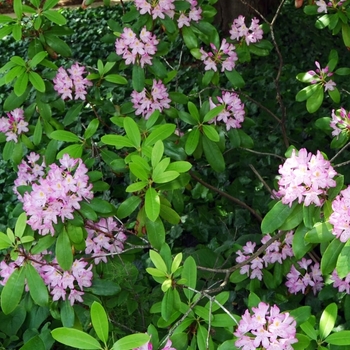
[(72, 84), (195, 14), (340, 218), (105, 237), (321, 75), (300, 281), (136, 50), (146, 102), (225, 56), (305, 177), (340, 122), (267, 328), (13, 125), (233, 114), (55, 196), (239, 30), (157, 9), (343, 284)]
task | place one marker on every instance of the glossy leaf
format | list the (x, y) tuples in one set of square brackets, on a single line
[(75, 338), (116, 79), (152, 204), (63, 135), (99, 321), (327, 321), (64, 253), (321, 232), (162, 132), (131, 341), (158, 261), (37, 81), (138, 78), (343, 262), (339, 338), (314, 102), (132, 132), (192, 141), (37, 288), (213, 113), (155, 233), (12, 292), (21, 224), (91, 129), (211, 133), (189, 273), (128, 206), (330, 256), (117, 140)]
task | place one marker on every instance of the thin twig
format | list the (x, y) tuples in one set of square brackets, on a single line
[(347, 145), (341, 164), (263, 181), (226, 195), (263, 153)]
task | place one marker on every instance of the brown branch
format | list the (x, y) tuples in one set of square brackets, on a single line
[(263, 181), (226, 195)]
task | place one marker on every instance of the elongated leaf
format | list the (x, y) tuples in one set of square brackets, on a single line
[(339, 338), (213, 113), (189, 273), (192, 141), (72, 114), (301, 314), (314, 102), (193, 110), (155, 233), (55, 17), (37, 81), (158, 261), (34, 343), (117, 140), (39, 57), (160, 133), (21, 224), (169, 214), (132, 131), (321, 232), (343, 262), (139, 171), (167, 176), (213, 154), (64, 253), (275, 218), (235, 78), (189, 37), (18, 8), (157, 153), (128, 207), (99, 321), (180, 166), (211, 133), (305, 93), (75, 338), (116, 79), (138, 78), (327, 321), (137, 186), (38, 133), (330, 256), (346, 34), (50, 4), (12, 293), (21, 84), (91, 129), (63, 135), (167, 306), (37, 288), (131, 342)]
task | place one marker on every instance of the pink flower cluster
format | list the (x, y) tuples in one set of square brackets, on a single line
[(13, 125), (340, 218), (239, 30), (275, 253), (225, 55), (146, 102), (322, 6), (136, 50), (195, 14), (157, 9), (305, 177), (55, 196), (311, 277), (266, 328), (340, 121), (149, 346), (105, 237), (71, 84), (233, 114), (343, 284), (61, 284), (321, 75)]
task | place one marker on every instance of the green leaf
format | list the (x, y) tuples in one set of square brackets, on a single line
[(39, 57), (50, 4), (327, 321), (305, 93), (55, 17), (75, 151), (117, 140), (128, 207), (34, 343), (192, 141), (235, 78), (116, 79), (180, 166), (343, 262), (38, 133), (21, 84), (213, 155), (294, 219), (12, 292), (276, 217), (137, 186), (303, 342), (75, 338), (158, 261), (211, 133), (72, 114), (37, 288), (63, 135), (67, 314), (18, 8), (99, 321), (343, 71), (101, 206), (339, 338), (152, 204), (21, 224), (346, 34), (131, 341), (58, 45), (160, 133), (64, 253), (301, 314), (91, 129), (193, 110), (167, 306), (213, 113), (314, 102), (167, 176), (37, 81), (138, 78), (132, 132), (189, 37), (189, 273), (139, 171), (169, 214), (75, 233), (179, 97), (155, 233), (330, 256), (5, 242), (321, 232), (305, 77), (157, 153), (309, 330)]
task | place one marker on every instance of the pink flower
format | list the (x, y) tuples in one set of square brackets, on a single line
[(146, 102), (225, 55), (266, 327), (71, 84), (305, 177), (321, 76), (13, 125), (239, 30), (233, 113)]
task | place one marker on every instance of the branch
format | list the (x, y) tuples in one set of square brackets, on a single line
[(263, 181), (226, 195)]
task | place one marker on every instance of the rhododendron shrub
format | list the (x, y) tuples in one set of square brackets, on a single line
[(140, 220)]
